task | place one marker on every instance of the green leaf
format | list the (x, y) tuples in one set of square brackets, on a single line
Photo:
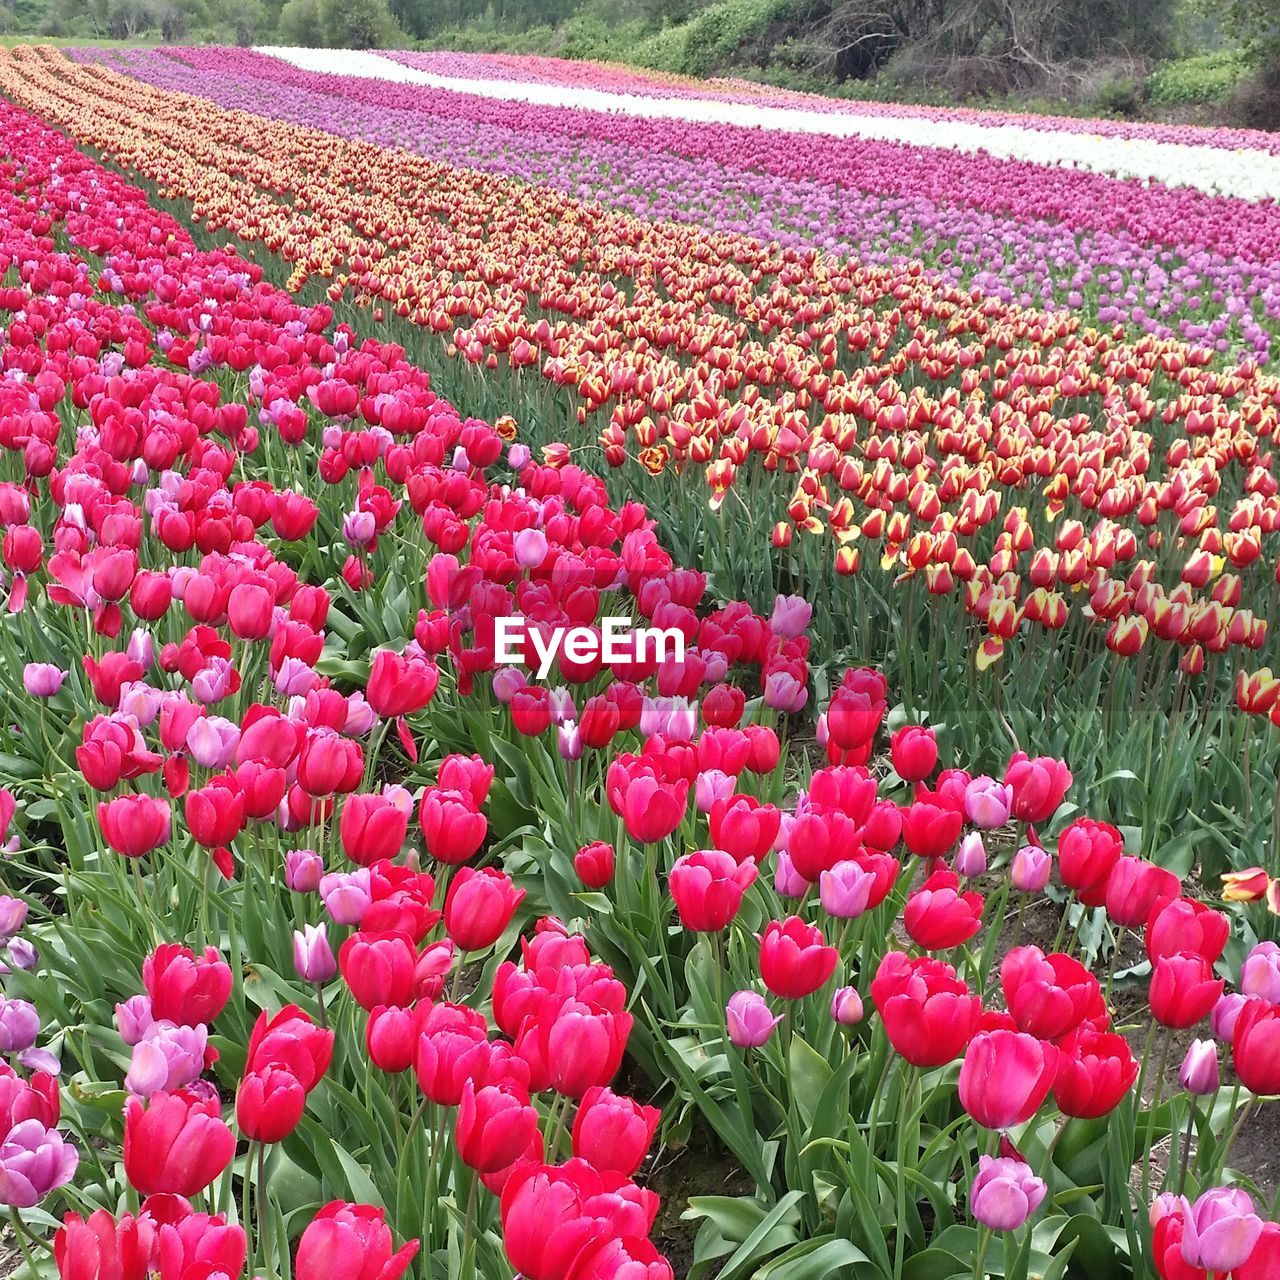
[(773, 1232), (808, 1077), (934, 1264), (359, 1183)]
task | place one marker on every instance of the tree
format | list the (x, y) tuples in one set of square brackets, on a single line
[(1256, 24), (358, 24), (300, 24)]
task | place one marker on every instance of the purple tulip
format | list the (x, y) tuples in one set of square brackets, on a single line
[(42, 679), (987, 803), (168, 1057), (1199, 1070), (346, 895), (787, 881), (749, 1020), (1005, 1193), (13, 915), (1260, 973), (312, 955), (133, 1019), (1031, 869), (34, 1161), (1220, 1229), (791, 616), (712, 785), (19, 1025), (845, 890), (971, 856), (846, 1007), (303, 869)]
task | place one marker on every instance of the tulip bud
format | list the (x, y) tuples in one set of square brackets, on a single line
[(787, 881), (594, 864), (1005, 1193), (846, 1007), (346, 895), (971, 856), (1031, 868), (1199, 1070), (313, 958), (749, 1020), (42, 679), (303, 869)]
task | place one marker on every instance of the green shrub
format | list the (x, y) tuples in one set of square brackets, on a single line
[(710, 37), (1205, 78)]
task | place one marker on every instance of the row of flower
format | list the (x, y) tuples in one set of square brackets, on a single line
[(616, 78), (283, 823), (1203, 168), (1160, 261), (911, 424)]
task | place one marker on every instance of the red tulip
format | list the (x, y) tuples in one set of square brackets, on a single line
[(215, 812), (1048, 996), (1182, 924), (329, 763), (466, 773), (1087, 853), (494, 1127), (707, 887), (765, 750), (913, 751), (929, 1014), (633, 1257), (390, 1038), (938, 916), (479, 907), (1255, 1044), (351, 1241), (269, 1104), (1095, 1071), (1134, 888), (612, 1132), (1264, 1262), (1005, 1077), (453, 1047), (175, 1143), (372, 827), (292, 1041), (580, 1046), (453, 829), (250, 611), (400, 685), (594, 864), (379, 968), (1183, 989), (185, 988), (1039, 786), (652, 810), (794, 958), (818, 838), (931, 824), (544, 1225), (134, 824), (744, 826)]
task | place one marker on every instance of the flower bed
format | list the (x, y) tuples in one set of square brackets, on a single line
[(332, 939)]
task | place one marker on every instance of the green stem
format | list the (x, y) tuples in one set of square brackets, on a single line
[(900, 1240), (245, 1206), (1186, 1144), (980, 1253), (264, 1210)]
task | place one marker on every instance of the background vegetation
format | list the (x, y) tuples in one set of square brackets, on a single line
[(1202, 60)]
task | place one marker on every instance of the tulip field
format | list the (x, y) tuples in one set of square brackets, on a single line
[(913, 915)]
